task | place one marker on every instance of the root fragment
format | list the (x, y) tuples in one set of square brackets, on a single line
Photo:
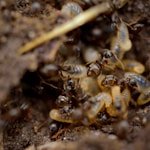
[(77, 21)]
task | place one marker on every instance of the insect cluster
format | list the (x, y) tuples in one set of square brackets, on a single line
[(94, 74)]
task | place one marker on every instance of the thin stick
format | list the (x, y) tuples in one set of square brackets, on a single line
[(79, 20)]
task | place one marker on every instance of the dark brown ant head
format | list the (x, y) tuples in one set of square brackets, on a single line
[(122, 82), (62, 100), (70, 84), (110, 80), (132, 83), (53, 128), (107, 54)]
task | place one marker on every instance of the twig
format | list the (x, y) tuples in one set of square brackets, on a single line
[(79, 20)]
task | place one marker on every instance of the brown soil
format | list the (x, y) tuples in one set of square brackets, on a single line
[(25, 99)]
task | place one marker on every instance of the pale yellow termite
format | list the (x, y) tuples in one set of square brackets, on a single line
[(71, 9), (126, 96), (102, 100), (56, 115), (91, 55), (120, 102), (144, 97), (73, 71), (115, 48), (123, 37), (133, 66), (116, 96), (89, 85), (136, 81)]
